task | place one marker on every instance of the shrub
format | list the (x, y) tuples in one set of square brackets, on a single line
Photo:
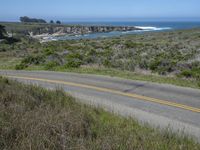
[(162, 66), (51, 65), (38, 59), (192, 73), (143, 64), (90, 56), (11, 40), (48, 51), (73, 63), (21, 66), (154, 64), (74, 56), (74, 60), (107, 63), (198, 82), (130, 44), (186, 73)]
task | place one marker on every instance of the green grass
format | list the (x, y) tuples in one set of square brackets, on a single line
[(35, 118), (8, 62)]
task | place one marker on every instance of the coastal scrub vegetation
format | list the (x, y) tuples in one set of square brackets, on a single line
[(174, 54), (4, 36), (32, 117), (2, 32)]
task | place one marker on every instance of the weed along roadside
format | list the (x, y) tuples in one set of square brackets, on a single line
[(51, 119)]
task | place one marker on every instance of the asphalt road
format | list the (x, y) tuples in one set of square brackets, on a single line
[(160, 105)]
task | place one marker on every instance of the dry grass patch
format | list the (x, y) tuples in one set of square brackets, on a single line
[(35, 118)]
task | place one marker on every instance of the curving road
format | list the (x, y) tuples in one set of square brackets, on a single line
[(160, 105)]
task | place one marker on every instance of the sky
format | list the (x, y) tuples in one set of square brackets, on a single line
[(100, 10)]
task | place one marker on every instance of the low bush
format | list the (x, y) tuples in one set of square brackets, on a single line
[(186, 73), (30, 60), (12, 40), (21, 66), (73, 60), (73, 63), (48, 51), (193, 73), (51, 65), (130, 44)]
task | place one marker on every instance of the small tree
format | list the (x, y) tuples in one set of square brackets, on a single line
[(24, 19), (2, 32), (52, 22), (58, 22)]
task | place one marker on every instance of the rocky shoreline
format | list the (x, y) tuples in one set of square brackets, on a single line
[(80, 29), (48, 33)]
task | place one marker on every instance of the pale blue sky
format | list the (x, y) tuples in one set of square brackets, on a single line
[(67, 10)]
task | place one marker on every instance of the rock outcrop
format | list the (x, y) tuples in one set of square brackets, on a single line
[(79, 29)]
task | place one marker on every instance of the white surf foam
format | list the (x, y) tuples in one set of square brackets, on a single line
[(152, 28)]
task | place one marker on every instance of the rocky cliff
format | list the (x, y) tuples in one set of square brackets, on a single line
[(78, 29)]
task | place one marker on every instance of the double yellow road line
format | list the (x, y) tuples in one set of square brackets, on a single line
[(132, 95)]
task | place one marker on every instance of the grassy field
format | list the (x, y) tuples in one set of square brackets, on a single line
[(35, 118), (7, 63), (166, 57)]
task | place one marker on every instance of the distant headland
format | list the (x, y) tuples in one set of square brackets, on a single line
[(42, 30)]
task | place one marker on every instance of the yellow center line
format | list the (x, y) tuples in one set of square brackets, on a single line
[(139, 97)]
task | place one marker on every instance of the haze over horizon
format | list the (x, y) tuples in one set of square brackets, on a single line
[(112, 10)]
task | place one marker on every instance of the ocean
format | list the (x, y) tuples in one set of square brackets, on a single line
[(146, 26)]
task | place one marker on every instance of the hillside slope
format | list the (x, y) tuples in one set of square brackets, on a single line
[(34, 118)]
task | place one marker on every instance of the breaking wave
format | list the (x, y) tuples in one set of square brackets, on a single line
[(153, 28)]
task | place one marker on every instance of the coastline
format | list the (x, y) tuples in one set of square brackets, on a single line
[(54, 32), (77, 31)]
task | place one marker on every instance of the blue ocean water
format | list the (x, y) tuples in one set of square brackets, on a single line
[(174, 25), (146, 26)]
